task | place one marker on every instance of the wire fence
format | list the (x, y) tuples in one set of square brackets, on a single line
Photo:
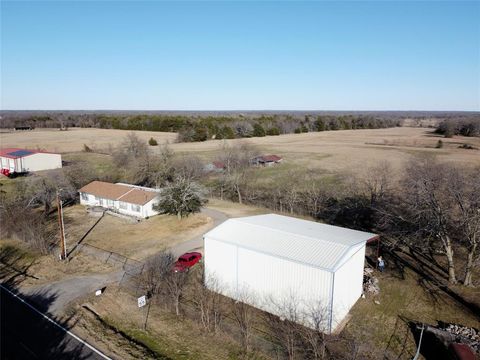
[(111, 257), (259, 338)]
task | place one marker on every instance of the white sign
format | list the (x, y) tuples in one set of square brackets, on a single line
[(98, 292), (142, 301)]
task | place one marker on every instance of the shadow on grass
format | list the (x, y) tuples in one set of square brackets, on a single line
[(14, 266), (435, 287)]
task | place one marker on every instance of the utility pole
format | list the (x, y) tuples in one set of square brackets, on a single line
[(63, 246)]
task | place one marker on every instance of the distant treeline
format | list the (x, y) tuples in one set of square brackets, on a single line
[(467, 127), (200, 127)]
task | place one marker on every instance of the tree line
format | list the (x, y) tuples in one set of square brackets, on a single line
[(201, 128), (464, 127)]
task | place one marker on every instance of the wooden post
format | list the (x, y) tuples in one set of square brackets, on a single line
[(146, 316), (63, 247)]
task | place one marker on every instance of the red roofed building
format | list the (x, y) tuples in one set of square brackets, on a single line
[(216, 166), (266, 160), (15, 160)]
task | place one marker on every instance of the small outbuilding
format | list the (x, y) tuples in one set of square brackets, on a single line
[(278, 258), (266, 160), (15, 160), (215, 166), (122, 198)]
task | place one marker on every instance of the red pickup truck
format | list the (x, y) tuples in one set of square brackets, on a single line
[(186, 261)]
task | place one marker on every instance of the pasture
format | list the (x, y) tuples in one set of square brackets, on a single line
[(345, 151), (73, 139)]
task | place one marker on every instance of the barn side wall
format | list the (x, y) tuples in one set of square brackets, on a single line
[(41, 161), (271, 282), (348, 286)]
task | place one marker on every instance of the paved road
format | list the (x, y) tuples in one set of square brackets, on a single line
[(26, 334)]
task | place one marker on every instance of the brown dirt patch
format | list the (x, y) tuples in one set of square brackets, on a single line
[(135, 240)]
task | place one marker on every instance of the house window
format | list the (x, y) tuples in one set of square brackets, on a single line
[(123, 205), (84, 196), (136, 208), (110, 203)]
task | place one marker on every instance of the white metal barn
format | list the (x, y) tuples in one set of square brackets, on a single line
[(21, 160), (276, 257)]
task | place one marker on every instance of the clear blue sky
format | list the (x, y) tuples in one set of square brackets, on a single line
[(240, 55)]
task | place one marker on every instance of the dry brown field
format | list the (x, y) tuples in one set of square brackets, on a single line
[(354, 150), (73, 140), (332, 151)]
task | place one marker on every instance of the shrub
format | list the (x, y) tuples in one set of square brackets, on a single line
[(466, 146), (201, 134), (439, 144), (86, 148), (273, 131), (152, 142), (258, 130), (226, 132)]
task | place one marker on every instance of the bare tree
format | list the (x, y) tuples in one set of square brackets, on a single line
[(284, 328), (190, 167), (32, 227), (377, 182), (207, 300), (156, 271), (244, 316), (316, 318), (132, 147), (237, 164), (176, 282), (314, 194), (425, 206), (42, 190), (464, 188), (80, 174), (149, 169)]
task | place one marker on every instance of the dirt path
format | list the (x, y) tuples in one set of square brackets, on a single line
[(64, 292)]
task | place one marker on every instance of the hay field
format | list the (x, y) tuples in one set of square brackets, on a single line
[(352, 150), (72, 140), (330, 151)]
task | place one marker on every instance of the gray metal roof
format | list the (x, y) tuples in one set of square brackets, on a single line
[(315, 244)]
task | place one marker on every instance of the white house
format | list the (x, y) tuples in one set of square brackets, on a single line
[(279, 258), (125, 199), (16, 160)]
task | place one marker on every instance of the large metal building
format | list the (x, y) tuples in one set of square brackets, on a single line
[(14, 160), (278, 258)]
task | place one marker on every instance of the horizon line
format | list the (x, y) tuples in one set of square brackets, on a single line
[(239, 110)]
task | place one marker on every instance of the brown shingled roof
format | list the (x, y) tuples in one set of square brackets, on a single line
[(271, 158), (138, 196), (123, 193)]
